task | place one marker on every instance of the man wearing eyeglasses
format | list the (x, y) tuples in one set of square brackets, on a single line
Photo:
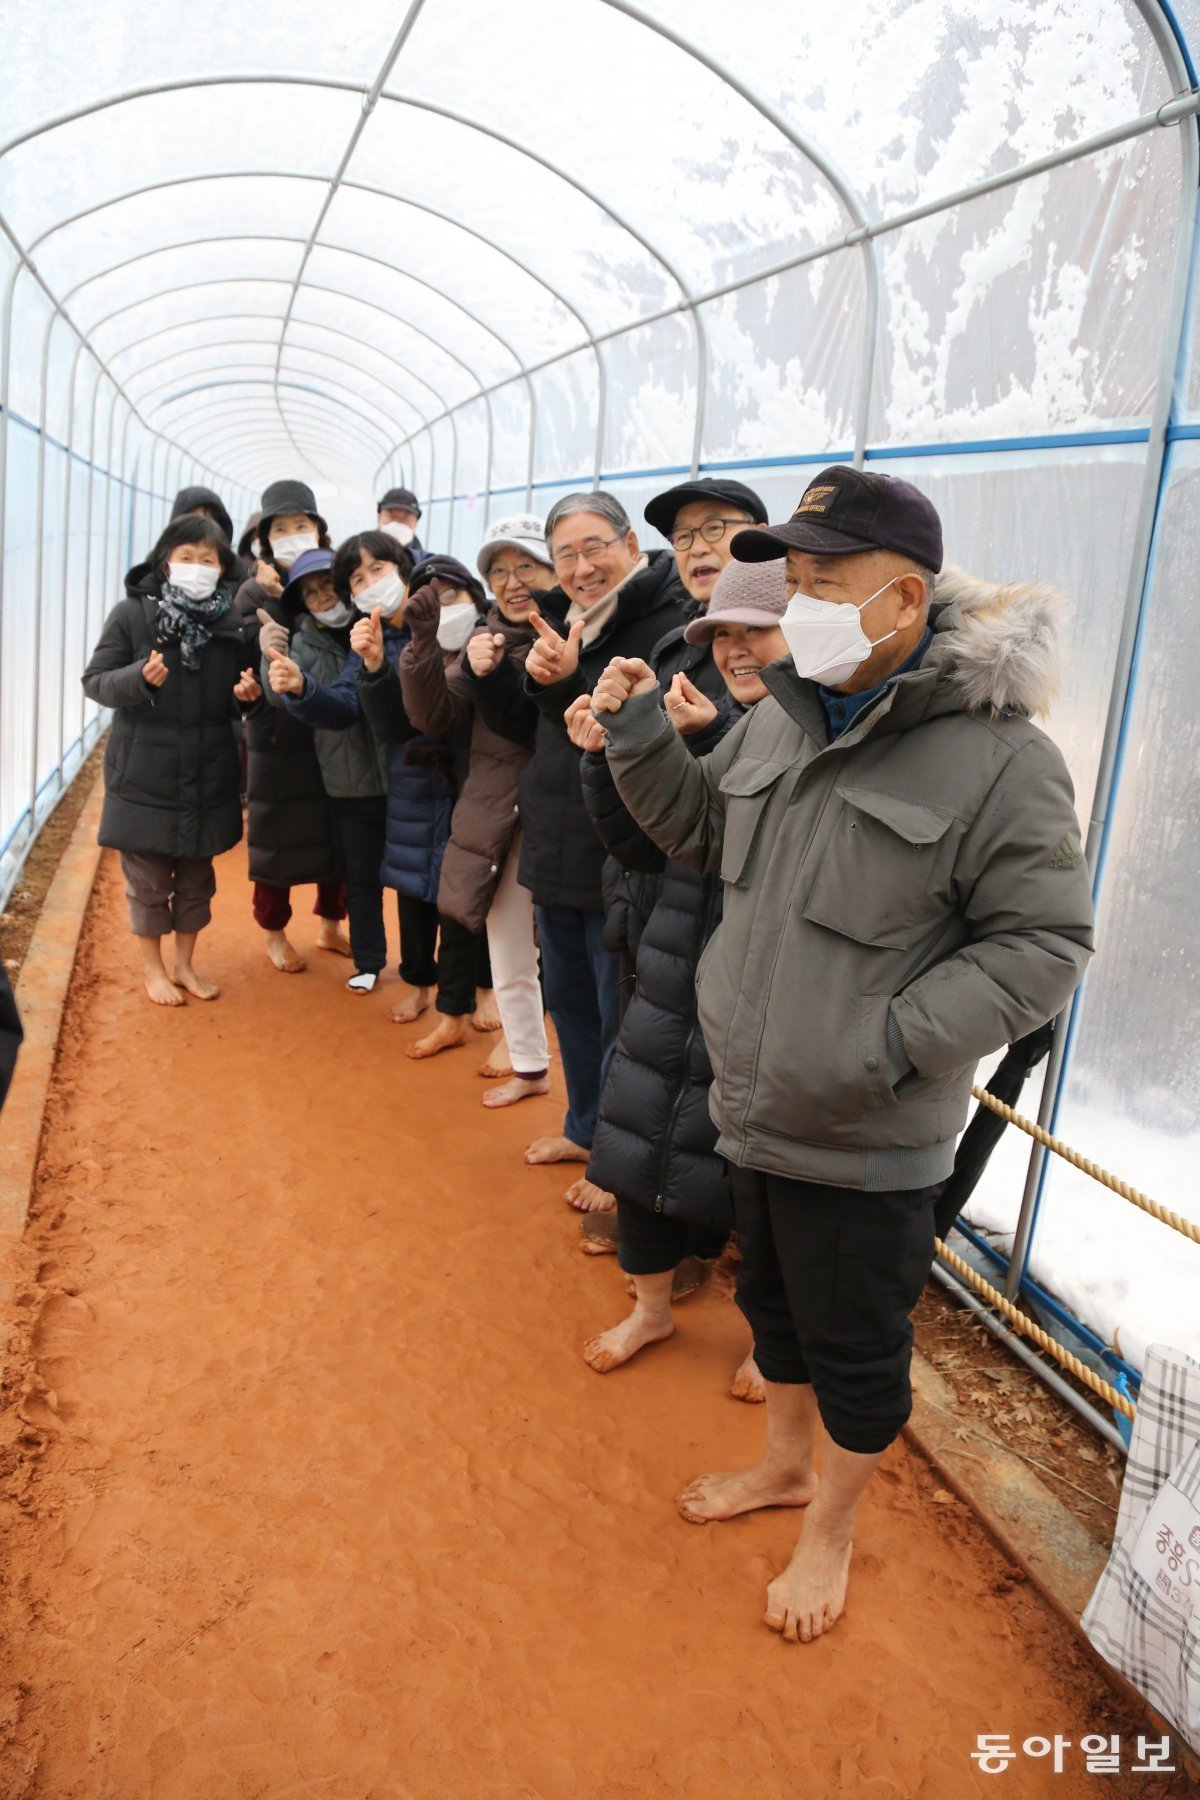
[(611, 597)]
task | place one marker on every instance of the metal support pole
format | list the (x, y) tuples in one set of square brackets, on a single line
[(453, 482), (68, 485), (5, 372), (39, 521), (1121, 691), (487, 479)]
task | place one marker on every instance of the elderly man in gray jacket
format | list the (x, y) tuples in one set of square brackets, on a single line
[(904, 893)]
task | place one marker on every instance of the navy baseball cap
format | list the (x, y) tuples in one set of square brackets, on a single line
[(844, 511), (664, 508), (402, 498)]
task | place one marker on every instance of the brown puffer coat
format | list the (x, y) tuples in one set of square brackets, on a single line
[(441, 700)]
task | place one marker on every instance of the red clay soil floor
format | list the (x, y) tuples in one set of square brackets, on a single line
[(307, 1490)]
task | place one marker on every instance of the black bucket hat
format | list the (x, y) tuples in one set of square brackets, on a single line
[(287, 497)]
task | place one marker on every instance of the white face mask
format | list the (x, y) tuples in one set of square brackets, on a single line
[(387, 594), (403, 534), (456, 624), (286, 549), (826, 638), (337, 614), (197, 580)]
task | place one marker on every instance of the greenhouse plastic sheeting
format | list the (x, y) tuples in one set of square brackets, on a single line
[(498, 253)]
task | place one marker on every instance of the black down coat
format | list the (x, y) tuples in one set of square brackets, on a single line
[(289, 821), (630, 894), (171, 773), (562, 859), (655, 1142)]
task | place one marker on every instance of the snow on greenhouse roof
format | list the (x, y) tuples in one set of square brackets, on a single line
[(320, 238)]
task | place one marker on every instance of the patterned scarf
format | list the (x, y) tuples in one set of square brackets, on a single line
[(189, 622)]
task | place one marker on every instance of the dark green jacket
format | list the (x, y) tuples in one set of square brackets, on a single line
[(353, 762), (898, 904)]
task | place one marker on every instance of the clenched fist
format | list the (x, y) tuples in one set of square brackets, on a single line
[(624, 677), (154, 670), (267, 577), (485, 651)]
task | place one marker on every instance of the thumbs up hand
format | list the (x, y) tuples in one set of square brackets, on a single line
[(154, 670), (273, 635), (285, 676), (246, 688), (485, 651), (366, 640), (553, 658)]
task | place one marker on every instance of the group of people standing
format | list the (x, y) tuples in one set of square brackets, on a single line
[(760, 820)]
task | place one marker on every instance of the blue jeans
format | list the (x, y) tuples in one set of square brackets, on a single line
[(582, 997)]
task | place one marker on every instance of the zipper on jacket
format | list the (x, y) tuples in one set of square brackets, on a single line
[(706, 927)]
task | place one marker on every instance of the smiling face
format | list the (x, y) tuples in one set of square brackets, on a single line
[(515, 578), (741, 652), (316, 591), (700, 562), (589, 559)]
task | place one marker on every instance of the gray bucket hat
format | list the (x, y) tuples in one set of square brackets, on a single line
[(745, 594)]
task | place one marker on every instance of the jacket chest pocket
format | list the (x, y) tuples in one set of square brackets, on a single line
[(877, 868), (748, 787)]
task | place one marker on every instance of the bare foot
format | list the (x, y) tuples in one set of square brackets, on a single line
[(810, 1596), (511, 1091), (162, 990), (447, 1034), (332, 937), (411, 1005), (556, 1149), (748, 1384), (745, 1490), (486, 1016), (285, 956), (498, 1066), (586, 1197), (598, 1237), (187, 977), (612, 1348)]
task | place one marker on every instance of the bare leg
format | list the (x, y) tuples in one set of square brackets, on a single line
[(447, 1034), (185, 974), (332, 937), (556, 1149), (648, 1323), (748, 1384), (784, 1477), (159, 986), (810, 1596), (586, 1197), (509, 1092), (284, 954), (487, 1013), (411, 1004)]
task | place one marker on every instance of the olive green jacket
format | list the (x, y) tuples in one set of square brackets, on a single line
[(898, 903)]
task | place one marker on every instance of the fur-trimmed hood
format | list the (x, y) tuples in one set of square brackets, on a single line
[(997, 644)]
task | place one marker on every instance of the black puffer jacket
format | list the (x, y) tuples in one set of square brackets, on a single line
[(170, 765), (289, 821), (630, 894), (655, 1143), (562, 859)]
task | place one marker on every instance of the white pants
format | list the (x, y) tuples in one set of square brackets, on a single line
[(514, 959)]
